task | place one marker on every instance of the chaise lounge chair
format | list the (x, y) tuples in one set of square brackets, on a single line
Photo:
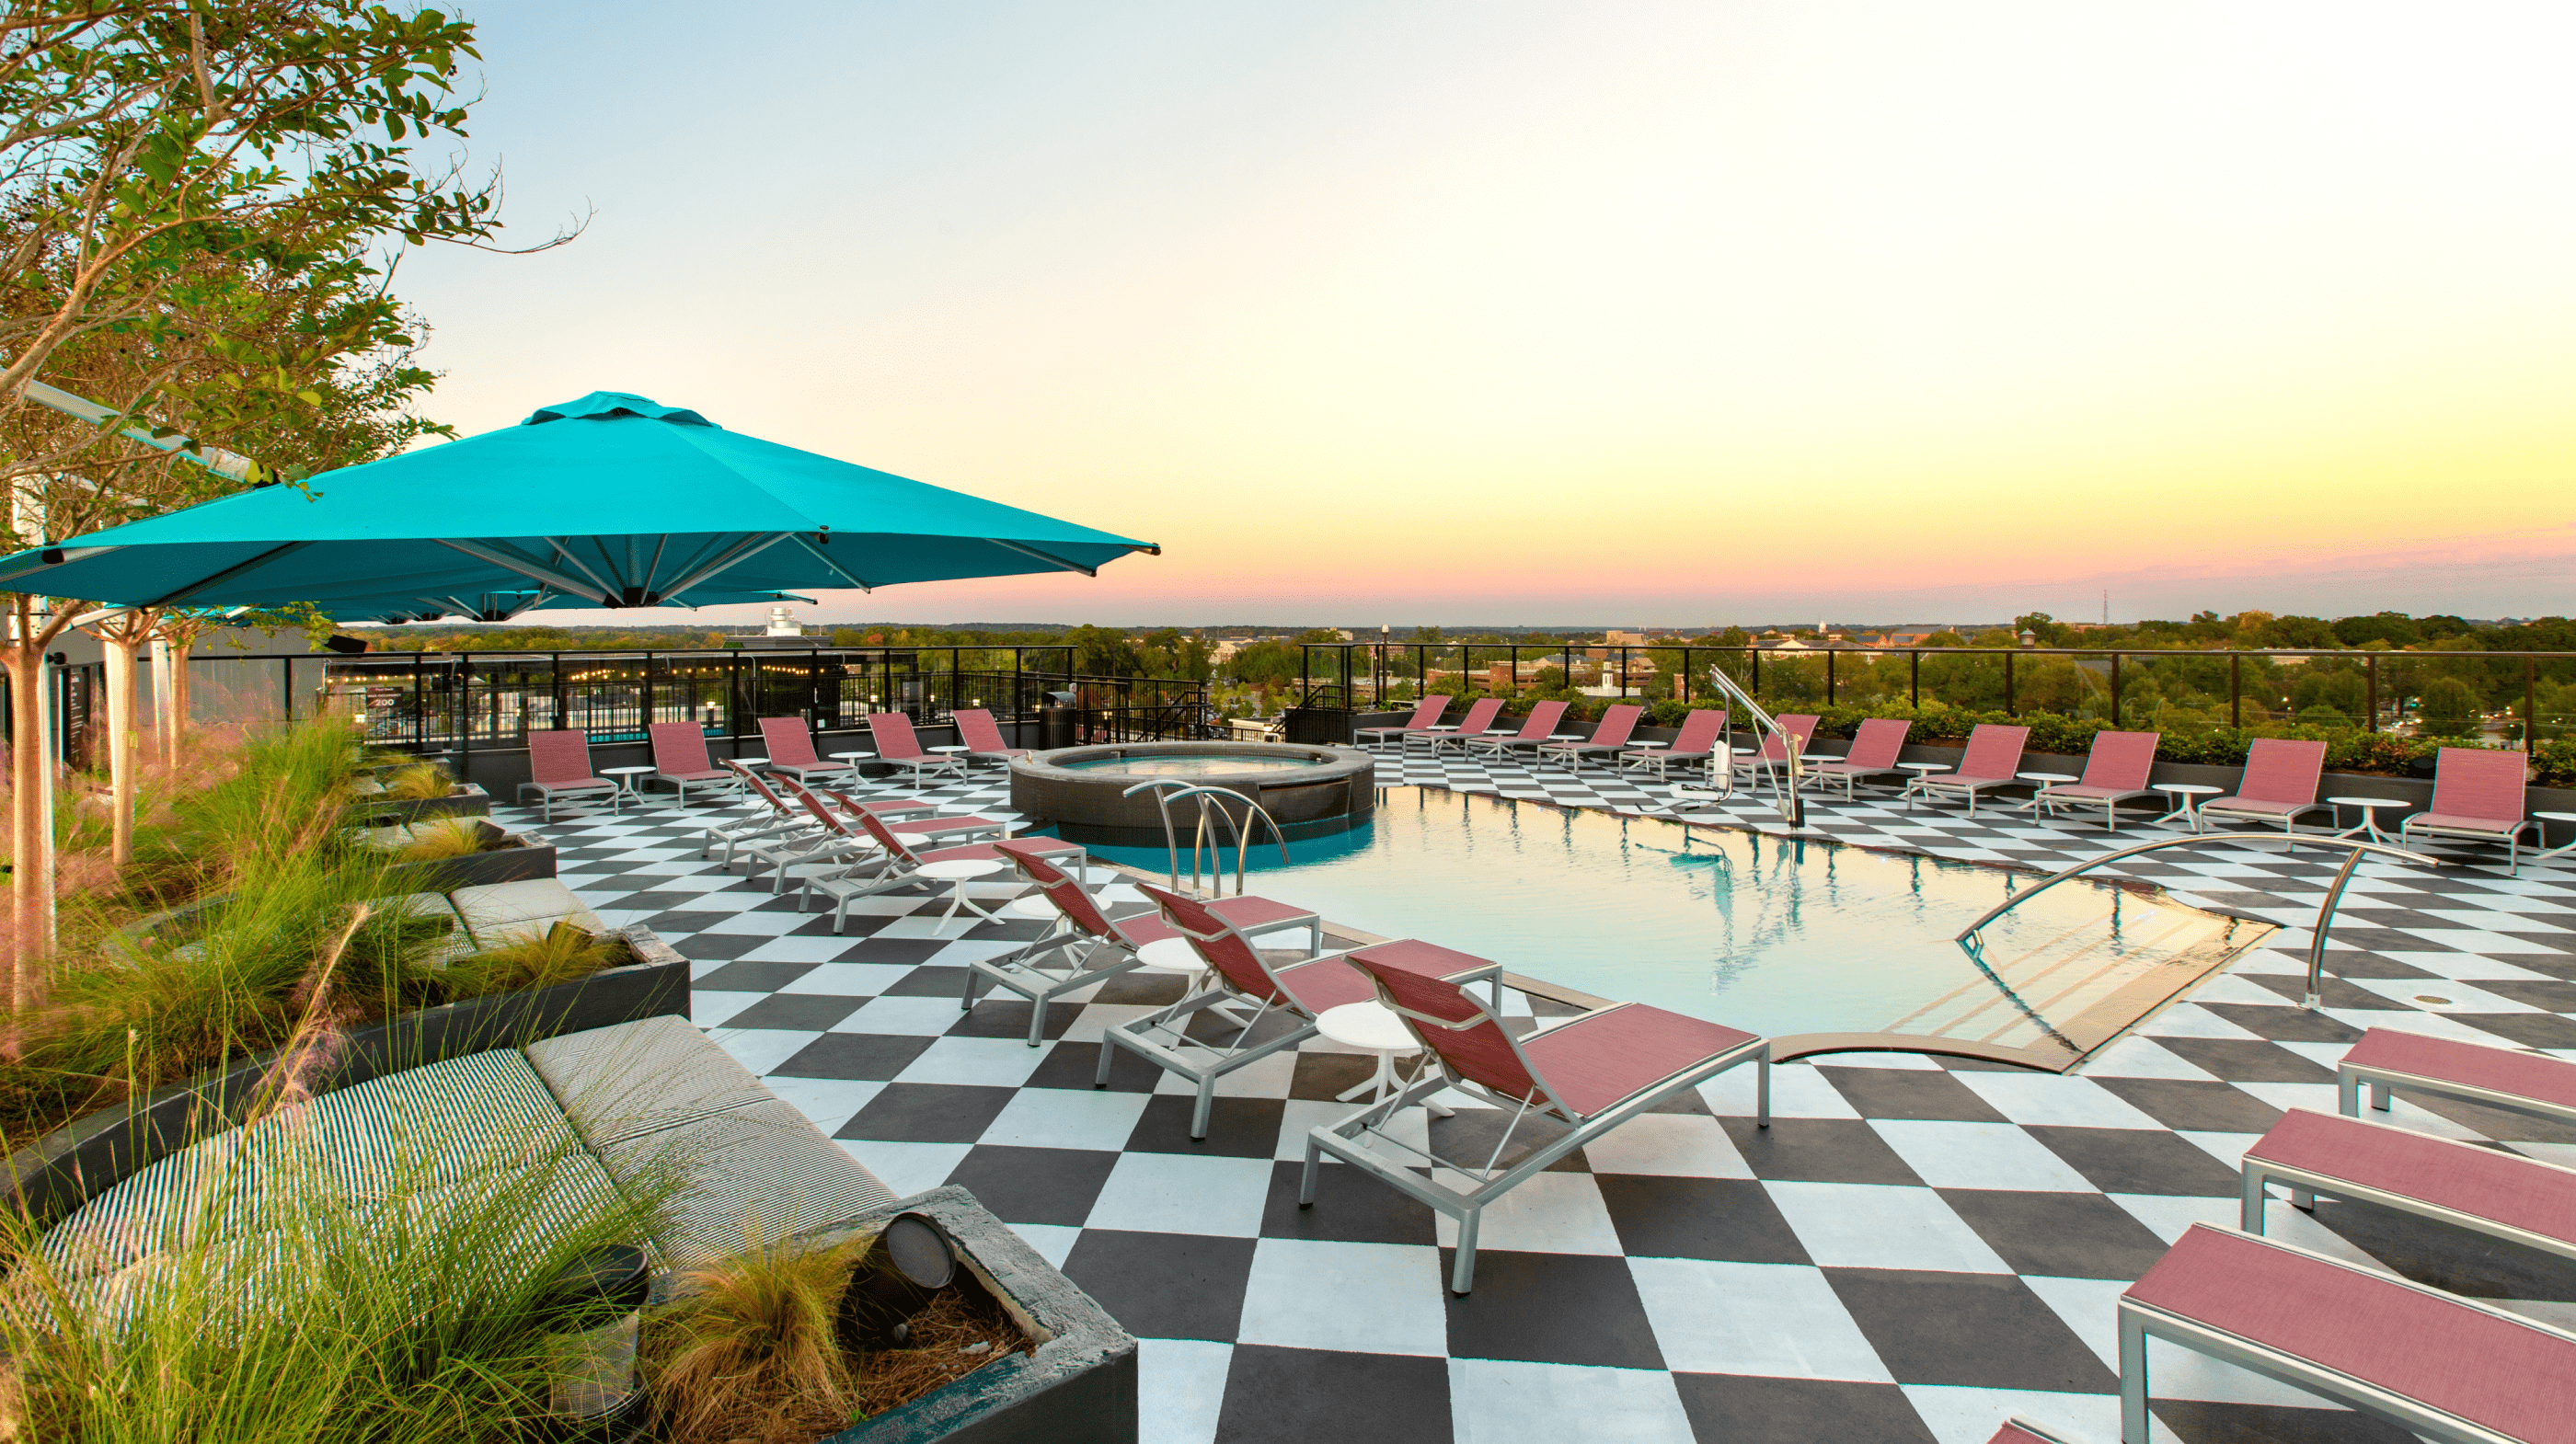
[(2280, 784), (1426, 714), (2018, 1430), (2507, 1078), (1480, 715), (2443, 1367), (983, 739), (1237, 972), (559, 766), (1875, 747), (2115, 770), (2477, 797), (1702, 741), (680, 758), (773, 816), (2483, 1190), (1537, 731), (892, 732), (1608, 739), (903, 865), (791, 751), (1096, 945), (1591, 1073), (833, 838), (1993, 756)]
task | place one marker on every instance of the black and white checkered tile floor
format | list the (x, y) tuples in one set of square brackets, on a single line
[(1914, 1250)]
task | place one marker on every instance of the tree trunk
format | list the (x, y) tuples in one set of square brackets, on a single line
[(165, 741), (31, 873), (121, 657), (179, 700)]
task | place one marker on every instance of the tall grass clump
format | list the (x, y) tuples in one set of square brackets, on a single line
[(291, 1303), (749, 1350)]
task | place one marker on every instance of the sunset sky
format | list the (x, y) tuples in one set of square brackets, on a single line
[(1614, 314)]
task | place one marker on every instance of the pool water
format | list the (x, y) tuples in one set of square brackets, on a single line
[(1774, 935), (1149, 766)]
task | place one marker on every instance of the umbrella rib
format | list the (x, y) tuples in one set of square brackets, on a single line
[(228, 573), (1053, 561), (746, 549), (604, 584), (534, 571), (837, 569), (64, 556)]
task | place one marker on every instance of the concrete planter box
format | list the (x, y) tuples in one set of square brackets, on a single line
[(468, 800), (66, 1168), (1078, 1387), (518, 859)]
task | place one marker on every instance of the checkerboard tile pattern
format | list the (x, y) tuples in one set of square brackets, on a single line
[(1915, 1249)]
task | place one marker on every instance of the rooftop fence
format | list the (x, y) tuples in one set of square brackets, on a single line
[(436, 703), (2511, 697)]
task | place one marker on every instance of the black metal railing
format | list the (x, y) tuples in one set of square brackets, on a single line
[(2510, 697), (436, 703)]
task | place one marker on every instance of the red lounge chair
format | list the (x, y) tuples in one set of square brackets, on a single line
[(1426, 714), (2483, 1190), (983, 739), (2477, 797), (902, 867), (1237, 973), (1590, 1073), (1106, 946), (791, 751), (1608, 739), (2507, 1078), (1774, 751), (2115, 770), (1480, 715), (772, 814), (1703, 735), (680, 758), (2280, 783), (559, 766), (1874, 750), (892, 732), (2022, 1431), (2444, 1367), (1536, 732), (1993, 756), (832, 837)]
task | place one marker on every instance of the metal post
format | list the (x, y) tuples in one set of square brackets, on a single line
[(1829, 676), (2115, 690), (286, 686), (1914, 678), (1623, 674), (1756, 654), (2236, 690), (647, 721), (2370, 667), (2008, 685), (464, 718), (419, 708), (2530, 687)]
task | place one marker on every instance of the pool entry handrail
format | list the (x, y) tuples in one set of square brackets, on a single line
[(1168, 790), (2354, 849), (1784, 778)]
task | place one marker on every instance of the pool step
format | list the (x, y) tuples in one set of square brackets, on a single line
[(2037, 984)]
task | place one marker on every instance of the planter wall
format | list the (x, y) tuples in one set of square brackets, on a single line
[(467, 800), (1077, 1387), (64, 1169), (531, 858)]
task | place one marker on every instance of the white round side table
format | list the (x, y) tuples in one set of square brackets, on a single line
[(2544, 834), (625, 778), (957, 873), (2369, 814), (2185, 799), (1373, 1026)]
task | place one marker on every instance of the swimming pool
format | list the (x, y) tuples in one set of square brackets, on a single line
[(1780, 936)]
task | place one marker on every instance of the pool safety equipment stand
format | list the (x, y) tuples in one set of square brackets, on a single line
[(1784, 779)]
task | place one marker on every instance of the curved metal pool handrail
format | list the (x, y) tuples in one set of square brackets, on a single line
[(1163, 801), (1784, 778), (2325, 909)]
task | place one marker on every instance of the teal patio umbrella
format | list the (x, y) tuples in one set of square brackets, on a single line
[(608, 501)]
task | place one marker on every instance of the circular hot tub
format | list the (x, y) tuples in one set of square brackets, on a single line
[(1309, 790)]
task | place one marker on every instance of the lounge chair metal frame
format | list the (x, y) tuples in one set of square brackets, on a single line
[(1362, 1140), (791, 751), (1477, 723), (585, 786), (1618, 723), (1095, 934), (1972, 787), (1872, 733), (1706, 735), (2458, 827), (2350, 1076), (1137, 1035), (898, 747), (1536, 730), (2052, 796), (1426, 713), (2140, 1321), (972, 720), (687, 735), (2304, 1184), (2285, 810)]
